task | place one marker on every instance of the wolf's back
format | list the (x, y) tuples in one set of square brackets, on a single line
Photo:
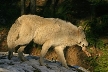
[(13, 34)]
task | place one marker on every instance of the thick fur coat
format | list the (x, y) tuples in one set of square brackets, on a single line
[(47, 32)]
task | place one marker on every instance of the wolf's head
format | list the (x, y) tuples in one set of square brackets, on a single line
[(81, 37)]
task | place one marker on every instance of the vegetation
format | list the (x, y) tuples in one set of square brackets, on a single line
[(91, 14), (102, 62)]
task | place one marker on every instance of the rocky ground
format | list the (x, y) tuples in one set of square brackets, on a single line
[(32, 65)]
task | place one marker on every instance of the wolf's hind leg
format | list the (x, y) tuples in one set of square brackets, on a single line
[(20, 53), (44, 50), (10, 54), (60, 53)]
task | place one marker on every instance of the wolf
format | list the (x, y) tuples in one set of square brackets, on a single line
[(48, 32)]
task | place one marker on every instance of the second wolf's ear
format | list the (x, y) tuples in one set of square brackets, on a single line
[(80, 28)]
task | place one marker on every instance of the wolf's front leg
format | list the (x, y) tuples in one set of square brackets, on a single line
[(59, 51), (20, 53), (44, 50)]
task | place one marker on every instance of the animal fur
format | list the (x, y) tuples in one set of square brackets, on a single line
[(47, 32)]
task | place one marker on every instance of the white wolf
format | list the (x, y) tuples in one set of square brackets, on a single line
[(47, 32)]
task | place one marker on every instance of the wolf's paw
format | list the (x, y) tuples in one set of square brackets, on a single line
[(24, 59), (65, 66), (9, 57), (41, 63)]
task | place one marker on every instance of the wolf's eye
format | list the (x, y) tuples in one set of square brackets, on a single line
[(83, 45), (79, 42)]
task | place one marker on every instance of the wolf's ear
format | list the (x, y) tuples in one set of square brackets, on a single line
[(80, 28)]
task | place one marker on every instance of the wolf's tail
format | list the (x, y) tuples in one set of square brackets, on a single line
[(13, 34)]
